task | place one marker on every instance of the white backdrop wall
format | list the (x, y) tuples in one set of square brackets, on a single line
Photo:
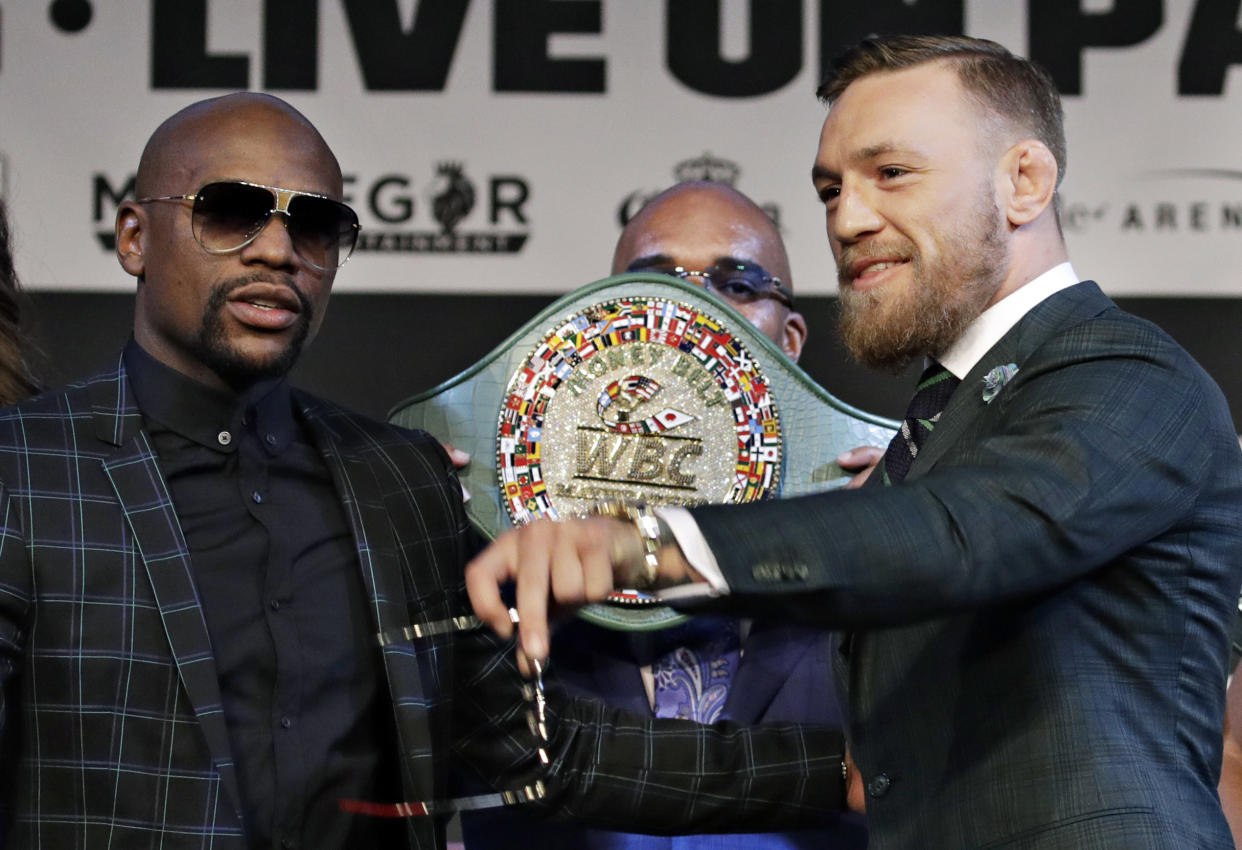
[(558, 116)]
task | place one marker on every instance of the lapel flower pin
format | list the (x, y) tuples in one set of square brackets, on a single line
[(997, 378)]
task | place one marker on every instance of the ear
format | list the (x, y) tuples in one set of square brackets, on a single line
[(794, 336), (1028, 181), (131, 230)]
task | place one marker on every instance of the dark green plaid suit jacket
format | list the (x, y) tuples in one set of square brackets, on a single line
[(1041, 609), (112, 730)]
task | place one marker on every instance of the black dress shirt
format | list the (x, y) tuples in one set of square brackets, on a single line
[(301, 677)]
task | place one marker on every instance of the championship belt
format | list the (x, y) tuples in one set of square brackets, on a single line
[(638, 386)]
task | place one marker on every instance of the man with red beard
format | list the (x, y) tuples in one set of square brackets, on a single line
[(1038, 580)]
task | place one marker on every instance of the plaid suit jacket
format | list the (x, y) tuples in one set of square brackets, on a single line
[(1041, 608), (111, 710), (112, 729)]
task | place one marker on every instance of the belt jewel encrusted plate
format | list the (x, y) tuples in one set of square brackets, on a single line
[(636, 397)]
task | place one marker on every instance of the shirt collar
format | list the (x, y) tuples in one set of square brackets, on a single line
[(993, 323), (211, 417)]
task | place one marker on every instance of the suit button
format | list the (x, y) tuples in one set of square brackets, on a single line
[(879, 785)]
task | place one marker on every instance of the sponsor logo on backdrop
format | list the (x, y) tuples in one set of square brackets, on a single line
[(450, 211), (106, 195), (705, 167), (1172, 201), (446, 211)]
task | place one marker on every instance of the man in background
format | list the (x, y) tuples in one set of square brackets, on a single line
[(773, 670)]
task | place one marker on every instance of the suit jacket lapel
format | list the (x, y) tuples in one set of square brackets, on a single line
[(368, 522), (139, 486), (967, 404), (386, 587)]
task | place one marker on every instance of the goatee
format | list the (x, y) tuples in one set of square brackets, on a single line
[(212, 345)]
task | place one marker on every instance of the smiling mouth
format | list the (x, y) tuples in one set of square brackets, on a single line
[(879, 267), (864, 272)]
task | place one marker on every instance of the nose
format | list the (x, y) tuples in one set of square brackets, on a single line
[(854, 216), (273, 245)]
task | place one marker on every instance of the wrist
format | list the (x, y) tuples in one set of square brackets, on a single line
[(650, 557)]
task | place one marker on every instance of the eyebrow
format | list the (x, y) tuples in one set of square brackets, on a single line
[(872, 151), (650, 260), (818, 172), (736, 261), (666, 260)]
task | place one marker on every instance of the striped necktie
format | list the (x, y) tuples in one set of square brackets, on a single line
[(930, 398)]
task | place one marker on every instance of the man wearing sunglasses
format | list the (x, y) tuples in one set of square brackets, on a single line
[(186, 642), (229, 610), (714, 236)]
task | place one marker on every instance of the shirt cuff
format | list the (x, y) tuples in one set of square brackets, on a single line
[(697, 554)]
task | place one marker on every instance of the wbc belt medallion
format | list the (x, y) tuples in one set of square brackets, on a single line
[(638, 386), (636, 397)]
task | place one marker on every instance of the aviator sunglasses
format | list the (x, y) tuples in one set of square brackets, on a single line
[(229, 215), (734, 280)]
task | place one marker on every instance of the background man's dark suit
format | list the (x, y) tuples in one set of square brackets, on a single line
[(782, 671), (1057, 575)]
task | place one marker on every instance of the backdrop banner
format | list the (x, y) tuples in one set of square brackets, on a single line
[(498, 145)]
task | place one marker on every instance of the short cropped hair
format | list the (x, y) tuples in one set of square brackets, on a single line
[(1016, 89)]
